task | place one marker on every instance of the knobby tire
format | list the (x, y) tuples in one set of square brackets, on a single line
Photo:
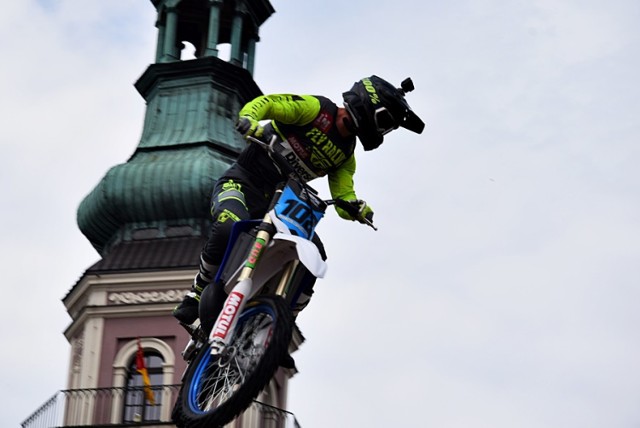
[(233, 381)]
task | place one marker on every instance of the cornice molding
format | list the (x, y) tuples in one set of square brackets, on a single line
[(140, 297), (138, 281)]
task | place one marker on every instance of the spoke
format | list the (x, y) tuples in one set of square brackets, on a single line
[(229, 382), (227, 373), (241, 372)]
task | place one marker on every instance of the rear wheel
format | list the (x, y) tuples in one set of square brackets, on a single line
[(218, 388)]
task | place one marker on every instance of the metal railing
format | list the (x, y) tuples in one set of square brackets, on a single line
[(104, 407), (127, 407)]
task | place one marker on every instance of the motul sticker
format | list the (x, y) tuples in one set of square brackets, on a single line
[(228, 314)]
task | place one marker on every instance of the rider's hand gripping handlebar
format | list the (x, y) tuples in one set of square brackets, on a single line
[(355, 209)]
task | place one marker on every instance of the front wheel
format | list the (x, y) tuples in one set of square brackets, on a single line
[(216, 389)]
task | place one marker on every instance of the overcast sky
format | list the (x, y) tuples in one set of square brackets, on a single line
[(501, 290)]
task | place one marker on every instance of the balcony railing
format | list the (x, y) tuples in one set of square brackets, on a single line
[(127, 407)]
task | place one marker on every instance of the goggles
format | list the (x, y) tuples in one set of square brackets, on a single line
[(384, 120)]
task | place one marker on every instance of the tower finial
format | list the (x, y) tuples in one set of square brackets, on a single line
[(206, 24)]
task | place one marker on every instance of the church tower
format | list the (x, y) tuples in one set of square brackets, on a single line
[(148, 219)]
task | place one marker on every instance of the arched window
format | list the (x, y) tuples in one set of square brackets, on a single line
[(124, 369), (137, 407)]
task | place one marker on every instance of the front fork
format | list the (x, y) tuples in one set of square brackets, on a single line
[(244, 289)]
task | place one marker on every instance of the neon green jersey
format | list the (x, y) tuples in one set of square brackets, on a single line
[(309, 138)]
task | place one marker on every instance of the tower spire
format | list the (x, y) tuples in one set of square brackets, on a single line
[(188, 138)]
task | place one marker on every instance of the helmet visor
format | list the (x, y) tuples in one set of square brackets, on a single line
[(413, 123)]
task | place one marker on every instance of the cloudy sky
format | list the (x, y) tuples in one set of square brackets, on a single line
[(501, 290)]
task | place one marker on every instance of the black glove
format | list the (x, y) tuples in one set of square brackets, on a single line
[(364, 211), (248, 126)]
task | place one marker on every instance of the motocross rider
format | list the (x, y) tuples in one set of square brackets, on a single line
[(317, 138)]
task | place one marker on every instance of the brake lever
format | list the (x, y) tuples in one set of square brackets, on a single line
[(369, 223), (355, 211)]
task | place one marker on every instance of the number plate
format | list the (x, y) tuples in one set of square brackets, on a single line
[(299, 210)]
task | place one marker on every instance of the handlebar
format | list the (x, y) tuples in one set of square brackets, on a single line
[(281, 163), (268, 146), (353, 208)]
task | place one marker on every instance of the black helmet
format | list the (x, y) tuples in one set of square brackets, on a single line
[(377, 107)]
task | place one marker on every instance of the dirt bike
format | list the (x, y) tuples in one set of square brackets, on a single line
[(265, 270)]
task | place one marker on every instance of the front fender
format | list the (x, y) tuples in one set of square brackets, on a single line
[(307, 252)]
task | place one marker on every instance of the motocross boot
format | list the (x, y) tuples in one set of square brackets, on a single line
[(187, 311)]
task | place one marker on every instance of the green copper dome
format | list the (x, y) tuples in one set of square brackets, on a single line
[(188, 138), (152, 195)]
